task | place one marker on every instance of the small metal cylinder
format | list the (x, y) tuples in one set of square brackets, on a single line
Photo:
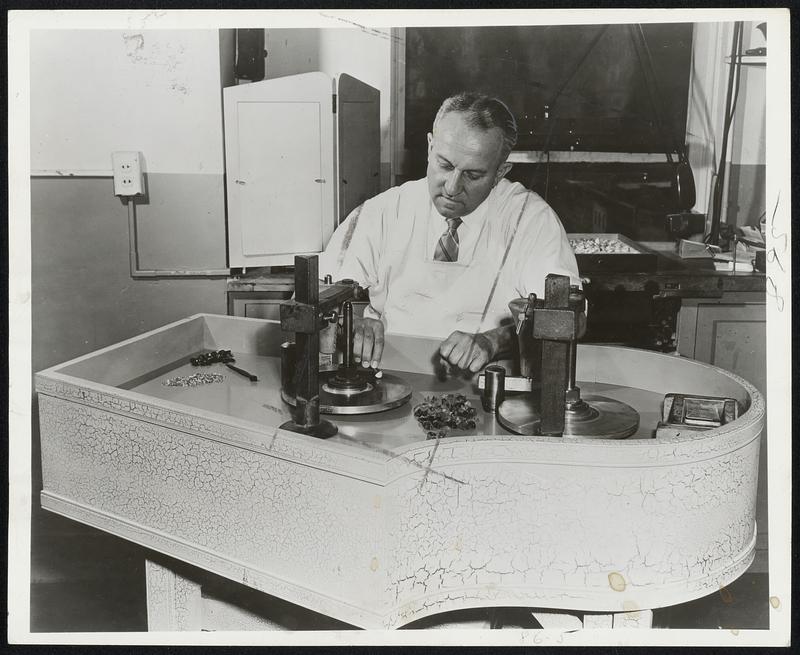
[(577, 303), (494, 387), (347, 329), (572, 360), (287, 367)]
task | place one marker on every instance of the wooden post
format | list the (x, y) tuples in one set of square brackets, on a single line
[(555, 361), (303, 317), (306, 382)]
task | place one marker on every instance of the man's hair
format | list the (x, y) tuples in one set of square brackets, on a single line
[(485, 112)]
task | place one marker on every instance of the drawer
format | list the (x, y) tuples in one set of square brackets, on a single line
[(257, 304)]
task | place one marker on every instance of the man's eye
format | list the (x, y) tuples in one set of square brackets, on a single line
[(446, 166), (474, 176)]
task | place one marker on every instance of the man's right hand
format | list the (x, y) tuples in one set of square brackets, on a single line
[(367, 342)]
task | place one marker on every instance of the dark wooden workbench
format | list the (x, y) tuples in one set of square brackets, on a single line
[(676, 277)]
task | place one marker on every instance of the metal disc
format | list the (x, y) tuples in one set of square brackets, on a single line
[(386, 393), (520, 414), (613, 419), (327, 388)]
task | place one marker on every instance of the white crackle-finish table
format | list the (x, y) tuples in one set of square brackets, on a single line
[(378, 527)]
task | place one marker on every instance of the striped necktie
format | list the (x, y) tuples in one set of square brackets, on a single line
[(447, 248)]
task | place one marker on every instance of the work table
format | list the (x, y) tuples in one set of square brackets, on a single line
[(677, 277), (379, 527)]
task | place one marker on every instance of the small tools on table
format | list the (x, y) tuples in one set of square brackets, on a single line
[(221, 357), (683, 413)]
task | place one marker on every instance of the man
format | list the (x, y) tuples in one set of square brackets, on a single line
[(442, 257)]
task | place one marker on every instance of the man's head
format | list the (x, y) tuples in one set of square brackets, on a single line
[(467, 150)]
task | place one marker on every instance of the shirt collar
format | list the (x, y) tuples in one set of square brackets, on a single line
[(475, 217)]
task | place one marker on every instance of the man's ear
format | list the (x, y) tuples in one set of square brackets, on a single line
[(430, 142), (502, 171)]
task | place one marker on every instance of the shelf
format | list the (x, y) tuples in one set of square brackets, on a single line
[(750, 60)]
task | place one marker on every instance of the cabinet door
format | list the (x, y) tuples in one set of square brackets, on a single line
[(280, 169), (734, 337), (359, 143)]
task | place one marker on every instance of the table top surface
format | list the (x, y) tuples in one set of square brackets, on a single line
[(260, 402)]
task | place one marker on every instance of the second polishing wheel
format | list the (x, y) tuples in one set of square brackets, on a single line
[(600, 417), (357, 392)]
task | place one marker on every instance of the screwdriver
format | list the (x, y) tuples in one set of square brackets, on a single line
[(241, 371)]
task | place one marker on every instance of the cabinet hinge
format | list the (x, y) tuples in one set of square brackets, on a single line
[(333, 103)]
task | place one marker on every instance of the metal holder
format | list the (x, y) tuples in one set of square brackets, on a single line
[(305, 316), (348, 380), (345, 390), (554, 406)]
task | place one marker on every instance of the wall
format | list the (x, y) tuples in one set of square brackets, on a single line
[(746, 177), (362, 53), (83, 297), (94, 92)]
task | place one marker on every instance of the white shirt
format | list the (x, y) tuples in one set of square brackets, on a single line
[(507, 246)]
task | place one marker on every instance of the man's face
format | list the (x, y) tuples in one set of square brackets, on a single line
[(464, 164)]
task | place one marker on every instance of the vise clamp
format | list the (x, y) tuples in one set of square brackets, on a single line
[(555, 321), (310, 311)]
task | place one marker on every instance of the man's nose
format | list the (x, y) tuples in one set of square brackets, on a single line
[(452, 185)]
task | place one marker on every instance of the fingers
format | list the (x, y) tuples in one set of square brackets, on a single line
[(365, 356), (464, 351), (368, 342), (478, 361), (446, 347), (454, 349), (358, 340), (377, 344)]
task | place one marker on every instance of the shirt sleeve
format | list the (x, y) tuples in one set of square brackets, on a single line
[(353, 250), (545, 249)]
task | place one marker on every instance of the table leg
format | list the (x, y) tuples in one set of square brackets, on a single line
[(642, 619), (173, 601), (556, 620), (598, 621)]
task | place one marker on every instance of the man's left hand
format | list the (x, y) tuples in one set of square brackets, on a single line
[(469, 352)]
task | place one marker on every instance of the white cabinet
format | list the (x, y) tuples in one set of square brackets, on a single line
[(301, 152)]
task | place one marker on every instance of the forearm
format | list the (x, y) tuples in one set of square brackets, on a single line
[(501, 341)]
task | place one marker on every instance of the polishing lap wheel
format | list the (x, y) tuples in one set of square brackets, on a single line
[(610, 419), (379, 395)]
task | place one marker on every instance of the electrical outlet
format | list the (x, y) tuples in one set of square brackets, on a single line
[(128, 179)]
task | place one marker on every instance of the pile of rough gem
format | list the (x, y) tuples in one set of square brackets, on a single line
[(436, 414)]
